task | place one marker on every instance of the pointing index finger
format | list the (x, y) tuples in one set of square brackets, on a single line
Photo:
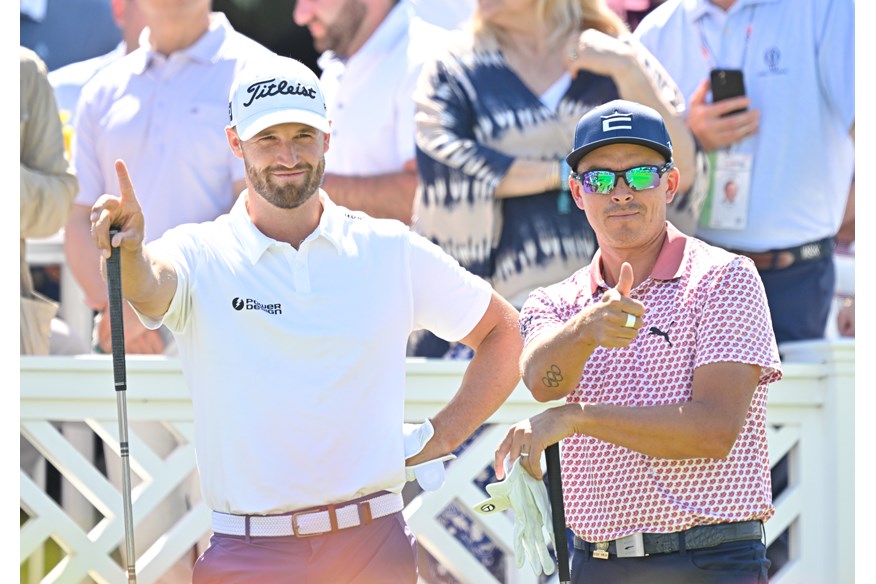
[(126, 187)]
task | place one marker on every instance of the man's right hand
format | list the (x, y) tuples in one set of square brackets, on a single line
[(711, 129), (148, 281), (605, 323), (122, 212)]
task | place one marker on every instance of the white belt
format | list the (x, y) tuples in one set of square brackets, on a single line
[(308, 523)]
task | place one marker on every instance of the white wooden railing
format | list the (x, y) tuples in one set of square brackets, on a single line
[(810, 412)]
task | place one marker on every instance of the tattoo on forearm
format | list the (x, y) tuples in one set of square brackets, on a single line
[(552, 377)]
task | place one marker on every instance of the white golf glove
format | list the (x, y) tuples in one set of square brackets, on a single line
[(533, 524), (429, 474)]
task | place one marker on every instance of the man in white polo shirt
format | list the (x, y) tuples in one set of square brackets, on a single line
[(663, 350), (291, 315), (372, 52)]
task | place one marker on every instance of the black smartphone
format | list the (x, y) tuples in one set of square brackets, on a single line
[(727, 83)]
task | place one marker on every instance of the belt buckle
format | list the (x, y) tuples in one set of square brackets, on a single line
[(630, 546), (601, 551), (295, 528)]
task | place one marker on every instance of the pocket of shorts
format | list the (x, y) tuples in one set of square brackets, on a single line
[(741, 557)]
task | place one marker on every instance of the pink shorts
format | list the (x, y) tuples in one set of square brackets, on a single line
[(381, 552)]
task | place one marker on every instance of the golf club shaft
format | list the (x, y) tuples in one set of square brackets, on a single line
[(558, 514), (117, 334)]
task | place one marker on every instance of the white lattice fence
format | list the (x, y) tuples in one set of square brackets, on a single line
[(81, 390), (810, 414)]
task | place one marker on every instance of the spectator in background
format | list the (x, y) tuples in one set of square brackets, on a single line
[(160, 108), (48, 186), (372, 53), (793, 148), (495, 115)]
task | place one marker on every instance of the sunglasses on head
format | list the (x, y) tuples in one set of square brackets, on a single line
[(638, 178)]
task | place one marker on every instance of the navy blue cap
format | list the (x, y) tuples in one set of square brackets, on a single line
[(620, 122)]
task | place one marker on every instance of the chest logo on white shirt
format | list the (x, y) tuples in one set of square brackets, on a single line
[(249, 304)]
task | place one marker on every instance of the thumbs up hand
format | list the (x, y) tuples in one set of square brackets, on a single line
[(616, 319)]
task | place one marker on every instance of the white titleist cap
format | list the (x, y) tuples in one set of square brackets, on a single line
[(275, 90)]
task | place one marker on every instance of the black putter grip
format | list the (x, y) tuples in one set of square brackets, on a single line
[(558, 514), (117, 325)]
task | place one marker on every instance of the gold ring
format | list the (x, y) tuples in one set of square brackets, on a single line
[(631, 321)]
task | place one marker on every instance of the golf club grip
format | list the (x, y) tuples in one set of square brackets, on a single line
[(117, 335), (117, 324), (555, 486)]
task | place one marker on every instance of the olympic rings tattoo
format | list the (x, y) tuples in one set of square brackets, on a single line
[(553, 377)]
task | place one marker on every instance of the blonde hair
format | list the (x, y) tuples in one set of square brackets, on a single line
[(564, 17)]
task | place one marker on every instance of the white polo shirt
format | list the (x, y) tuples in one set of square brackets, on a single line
[(295, 359), (369, 96)]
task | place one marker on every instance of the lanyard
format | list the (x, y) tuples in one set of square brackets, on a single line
[(709, 55)]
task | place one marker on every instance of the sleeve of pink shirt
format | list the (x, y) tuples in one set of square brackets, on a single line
[(540, 313), (734, 323)]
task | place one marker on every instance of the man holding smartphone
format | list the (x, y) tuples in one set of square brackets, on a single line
[(780, 124)]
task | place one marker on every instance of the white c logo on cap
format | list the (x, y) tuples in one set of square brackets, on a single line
[(613, 122)]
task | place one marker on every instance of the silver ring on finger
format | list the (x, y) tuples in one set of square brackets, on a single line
[(523, 453), (631, 321)]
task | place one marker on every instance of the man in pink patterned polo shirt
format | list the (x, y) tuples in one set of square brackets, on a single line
[(663, 350)]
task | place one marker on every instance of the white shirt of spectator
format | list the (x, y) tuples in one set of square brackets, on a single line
[(369, 97)]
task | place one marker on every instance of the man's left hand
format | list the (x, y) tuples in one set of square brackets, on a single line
[(533, 524)]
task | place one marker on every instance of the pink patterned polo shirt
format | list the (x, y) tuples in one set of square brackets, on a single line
[(703, 305)]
